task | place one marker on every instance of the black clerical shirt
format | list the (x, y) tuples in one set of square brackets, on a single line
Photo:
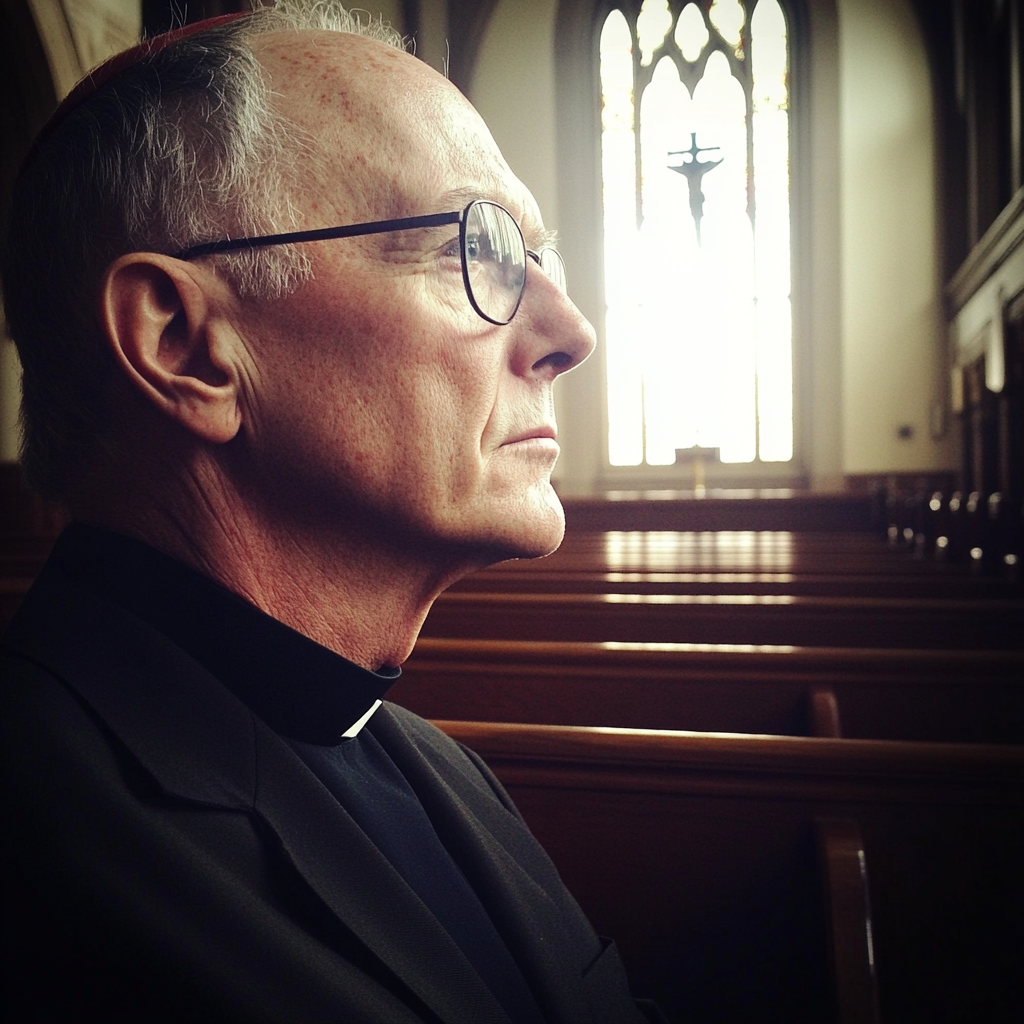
[(311, 697)]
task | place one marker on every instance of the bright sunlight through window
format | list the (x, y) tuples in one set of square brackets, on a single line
[(695, 157)]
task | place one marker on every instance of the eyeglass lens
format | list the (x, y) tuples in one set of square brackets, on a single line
[(494, 261), (552, 265)]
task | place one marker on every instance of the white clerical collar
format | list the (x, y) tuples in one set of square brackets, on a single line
[(353, 730)]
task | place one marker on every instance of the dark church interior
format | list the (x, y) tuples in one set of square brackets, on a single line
[(771, 732)]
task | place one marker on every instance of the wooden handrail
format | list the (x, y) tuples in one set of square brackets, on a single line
[(678, 761), (716, 618), (909, 663)]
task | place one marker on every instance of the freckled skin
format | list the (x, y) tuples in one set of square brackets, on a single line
[(386, 397)]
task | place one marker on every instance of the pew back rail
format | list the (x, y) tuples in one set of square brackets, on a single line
[(702, 854)]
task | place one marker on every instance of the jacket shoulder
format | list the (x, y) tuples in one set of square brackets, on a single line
[(452, 758)]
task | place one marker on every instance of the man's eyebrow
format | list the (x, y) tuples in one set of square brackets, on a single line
[(535, 239), (546, 239), (461, 197)]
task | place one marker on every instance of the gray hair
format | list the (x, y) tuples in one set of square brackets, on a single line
[(180, 148)]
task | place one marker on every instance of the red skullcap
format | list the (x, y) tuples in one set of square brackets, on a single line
[(112, 67)]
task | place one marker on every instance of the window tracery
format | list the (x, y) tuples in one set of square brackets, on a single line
[(695, 165)]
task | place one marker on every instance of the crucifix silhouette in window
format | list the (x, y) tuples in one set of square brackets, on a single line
[(695, 170)]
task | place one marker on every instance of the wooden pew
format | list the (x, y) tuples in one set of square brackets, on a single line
[(538, 578), (954, 696), (734, 551), (822, 608), (718, 619), (699, 853), (724, 510), (769, 561), (723, 563)]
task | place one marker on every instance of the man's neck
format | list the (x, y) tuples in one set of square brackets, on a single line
[(361, 599), (348, 586)]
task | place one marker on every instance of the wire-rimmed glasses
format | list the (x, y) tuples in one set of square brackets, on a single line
[(491, 244)]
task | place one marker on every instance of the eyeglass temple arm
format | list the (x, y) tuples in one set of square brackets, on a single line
[(318, 235)]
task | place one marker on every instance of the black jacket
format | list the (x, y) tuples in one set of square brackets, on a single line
[(168, 857)]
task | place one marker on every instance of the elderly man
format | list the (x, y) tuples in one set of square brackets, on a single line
[(278, 441)]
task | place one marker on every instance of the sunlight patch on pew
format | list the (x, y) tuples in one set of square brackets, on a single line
[(622, 645), (698, 598), (653, 549), (700, 577)]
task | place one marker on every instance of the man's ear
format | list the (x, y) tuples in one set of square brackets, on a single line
[(167, 325)]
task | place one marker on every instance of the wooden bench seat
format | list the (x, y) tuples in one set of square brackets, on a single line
[(537, 578), (955, 696), (722, 510), (733, 618), (698, 853), (729, 551)]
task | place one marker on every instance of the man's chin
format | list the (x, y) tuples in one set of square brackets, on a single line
[(536, 528), (537, 547), (531, 526)]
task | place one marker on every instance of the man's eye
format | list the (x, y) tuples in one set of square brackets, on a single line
[(450, 250)]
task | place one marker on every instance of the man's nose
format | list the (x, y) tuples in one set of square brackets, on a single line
[(555, 335)]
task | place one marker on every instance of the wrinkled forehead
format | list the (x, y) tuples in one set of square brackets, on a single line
[(394, 136)]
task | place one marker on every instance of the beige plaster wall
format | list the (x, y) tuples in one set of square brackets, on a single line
[(431, 41), (100, 28), (514, 90), (891, 316), (388, 11), (76, 35), (79, 34)]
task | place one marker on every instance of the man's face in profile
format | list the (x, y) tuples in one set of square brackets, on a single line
[(376, 390)]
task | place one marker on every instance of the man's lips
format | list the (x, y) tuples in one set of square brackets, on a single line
[(545, 435)]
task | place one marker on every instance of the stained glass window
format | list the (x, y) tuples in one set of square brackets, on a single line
[(695, 163)]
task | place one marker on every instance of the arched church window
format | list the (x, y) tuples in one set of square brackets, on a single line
[(695, 142)]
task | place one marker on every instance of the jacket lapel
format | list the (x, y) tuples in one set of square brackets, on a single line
[(365, 891), (545, 929), (202, 744)]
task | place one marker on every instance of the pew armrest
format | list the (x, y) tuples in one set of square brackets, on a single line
[(848, 920), (825, 713)]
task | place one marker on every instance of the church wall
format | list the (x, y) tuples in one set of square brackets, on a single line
[(102, 27), (431, 36), (10, 390), (514, 90), (71, 37), (389, 11), (893, 379)]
